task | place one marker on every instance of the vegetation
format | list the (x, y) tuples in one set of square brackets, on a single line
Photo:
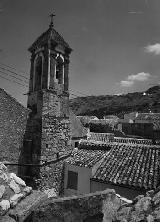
[(117, 104)]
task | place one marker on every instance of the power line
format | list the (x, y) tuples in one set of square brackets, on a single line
[(11, 80), (11, 67), (18, 74), (14, 76), (14, 72)]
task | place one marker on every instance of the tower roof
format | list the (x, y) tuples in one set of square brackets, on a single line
[(50, 35)]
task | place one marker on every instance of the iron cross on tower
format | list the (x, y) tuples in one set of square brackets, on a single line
[(51, 16)]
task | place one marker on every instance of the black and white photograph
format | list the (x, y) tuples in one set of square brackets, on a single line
[(79, 110)]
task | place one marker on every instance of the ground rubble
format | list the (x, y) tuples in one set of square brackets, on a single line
[(12, 190), (143, 208)]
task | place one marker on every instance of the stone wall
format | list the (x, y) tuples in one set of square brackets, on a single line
[(52, 176), (67, 209), (55, 136), (39, 207)]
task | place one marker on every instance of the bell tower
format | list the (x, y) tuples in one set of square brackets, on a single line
[(49, 74), (48, 127)]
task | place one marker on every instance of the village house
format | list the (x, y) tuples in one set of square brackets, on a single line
[(144, 125), (130, 169)]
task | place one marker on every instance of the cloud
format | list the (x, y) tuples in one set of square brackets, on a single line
[(155, 49), (126, 83), (142, 76), (131, 79)]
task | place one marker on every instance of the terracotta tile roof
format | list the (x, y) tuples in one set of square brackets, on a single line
[(148, 116), (104, 137), (109, 137), (85, 158), (94, 145), (133, 140), (130, 165)]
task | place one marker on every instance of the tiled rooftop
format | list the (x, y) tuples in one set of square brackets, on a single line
[(109, 137), (104, 137), (132, 140), (94, 145), (85, 158), (148, 116), (130, 165), (100, 145)]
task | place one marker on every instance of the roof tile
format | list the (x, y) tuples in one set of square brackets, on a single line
[(85, 158), (132, 165)]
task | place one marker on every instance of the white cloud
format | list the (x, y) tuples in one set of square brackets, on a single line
[(126, 83), (142, 76), (131, 79), (155, 49)]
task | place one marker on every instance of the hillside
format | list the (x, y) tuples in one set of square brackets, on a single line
[(117, 104)]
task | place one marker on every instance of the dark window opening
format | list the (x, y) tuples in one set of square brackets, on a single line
[(76, 144), (34, 108), (59, 70), (38, 73), (72, 180)]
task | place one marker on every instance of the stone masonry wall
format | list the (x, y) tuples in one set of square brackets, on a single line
[(55, 136), (67, 209), (52, 177), (56, 130)]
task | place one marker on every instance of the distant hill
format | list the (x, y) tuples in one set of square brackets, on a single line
[(117, 104)]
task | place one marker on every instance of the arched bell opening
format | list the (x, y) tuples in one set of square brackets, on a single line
[(59, 70), (38, 70)]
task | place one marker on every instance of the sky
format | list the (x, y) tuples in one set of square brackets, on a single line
[(116, 43)]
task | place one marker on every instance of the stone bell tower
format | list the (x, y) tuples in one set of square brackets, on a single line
[(48, 127)]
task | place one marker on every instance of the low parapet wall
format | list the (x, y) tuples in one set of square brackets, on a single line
[(106, 205), (39, 208)]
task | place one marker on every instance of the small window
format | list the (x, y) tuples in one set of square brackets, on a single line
[(72, 180)]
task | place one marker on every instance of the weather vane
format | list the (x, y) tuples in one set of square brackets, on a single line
[(51, 23)]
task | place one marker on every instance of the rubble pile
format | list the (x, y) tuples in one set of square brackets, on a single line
[(143, 208), (12, 189)]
